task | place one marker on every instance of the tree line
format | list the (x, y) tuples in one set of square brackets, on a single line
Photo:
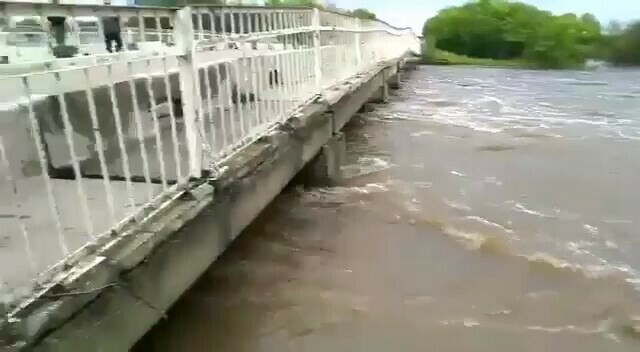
[(505, 30)]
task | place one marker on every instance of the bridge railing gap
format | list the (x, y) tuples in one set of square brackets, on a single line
[(93, 141)]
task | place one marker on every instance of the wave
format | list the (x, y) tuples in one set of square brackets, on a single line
[(489, 223), (591, 229), (496, 148), (365, 166), (532, 135), (421, 133), (457, 205), (477, 241), (521, 208), (501, 245), (466, 322), (622, 324), (441, 103), (576, 82), (624, 95), (608, 328), (341, 195), (401, 116), (492, 102)]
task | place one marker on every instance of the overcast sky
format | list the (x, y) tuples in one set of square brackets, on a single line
[(413, 13)]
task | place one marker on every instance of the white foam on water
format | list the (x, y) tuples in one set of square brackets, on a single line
[(342, 194), (489, 223), (578, 121), (626, 136), (477, 241), (493, 181), (579, 82), (577, 248), (568, 329), (457, 205), (466, 322), (401, 117), (457, 173), (453, 137), (421, 133), (473, 125), (591, 229), (413, 206), (493, 101), (547, 259), (611, 244), (365, 166), (521, 208), (617, 221)]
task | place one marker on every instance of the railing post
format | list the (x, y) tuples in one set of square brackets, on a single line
[(317, 50), (358, 43), (183, 35)]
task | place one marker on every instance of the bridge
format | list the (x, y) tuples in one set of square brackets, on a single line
[(123, 176)]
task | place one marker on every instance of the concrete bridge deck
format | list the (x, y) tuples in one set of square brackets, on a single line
[(105, 165), (17, 270)]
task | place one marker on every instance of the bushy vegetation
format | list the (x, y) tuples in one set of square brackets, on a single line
[(623, 48), (502, 30), (364, 14)]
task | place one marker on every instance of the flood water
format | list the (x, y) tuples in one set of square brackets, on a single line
[(482, 210)]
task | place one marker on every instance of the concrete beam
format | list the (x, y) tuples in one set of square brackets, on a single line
[(351, 103)]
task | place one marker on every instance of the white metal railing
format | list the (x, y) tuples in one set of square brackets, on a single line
[(87, 146)]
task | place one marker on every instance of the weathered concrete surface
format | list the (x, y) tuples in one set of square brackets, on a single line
[(112, 293), (18, 266), (325, 168), (28, 204)]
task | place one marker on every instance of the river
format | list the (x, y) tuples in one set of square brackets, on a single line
[(482, 210)]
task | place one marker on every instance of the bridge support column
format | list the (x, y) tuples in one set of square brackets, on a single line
[(382, 94), (325, 168), (394, 80)]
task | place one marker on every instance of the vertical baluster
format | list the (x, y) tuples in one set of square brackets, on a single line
[(15, 199), (75, 163), (99, 146), (44, 166)]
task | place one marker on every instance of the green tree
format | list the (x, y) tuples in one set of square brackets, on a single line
[(499, 29), (625, 47), (364, 14)]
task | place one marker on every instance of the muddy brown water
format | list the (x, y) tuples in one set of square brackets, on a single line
[(482, 210)]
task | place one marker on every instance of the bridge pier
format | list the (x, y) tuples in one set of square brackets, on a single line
[(394, 80), (390, 80), (325, 168)]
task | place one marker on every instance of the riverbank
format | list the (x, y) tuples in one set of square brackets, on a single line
[(445, 58)]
